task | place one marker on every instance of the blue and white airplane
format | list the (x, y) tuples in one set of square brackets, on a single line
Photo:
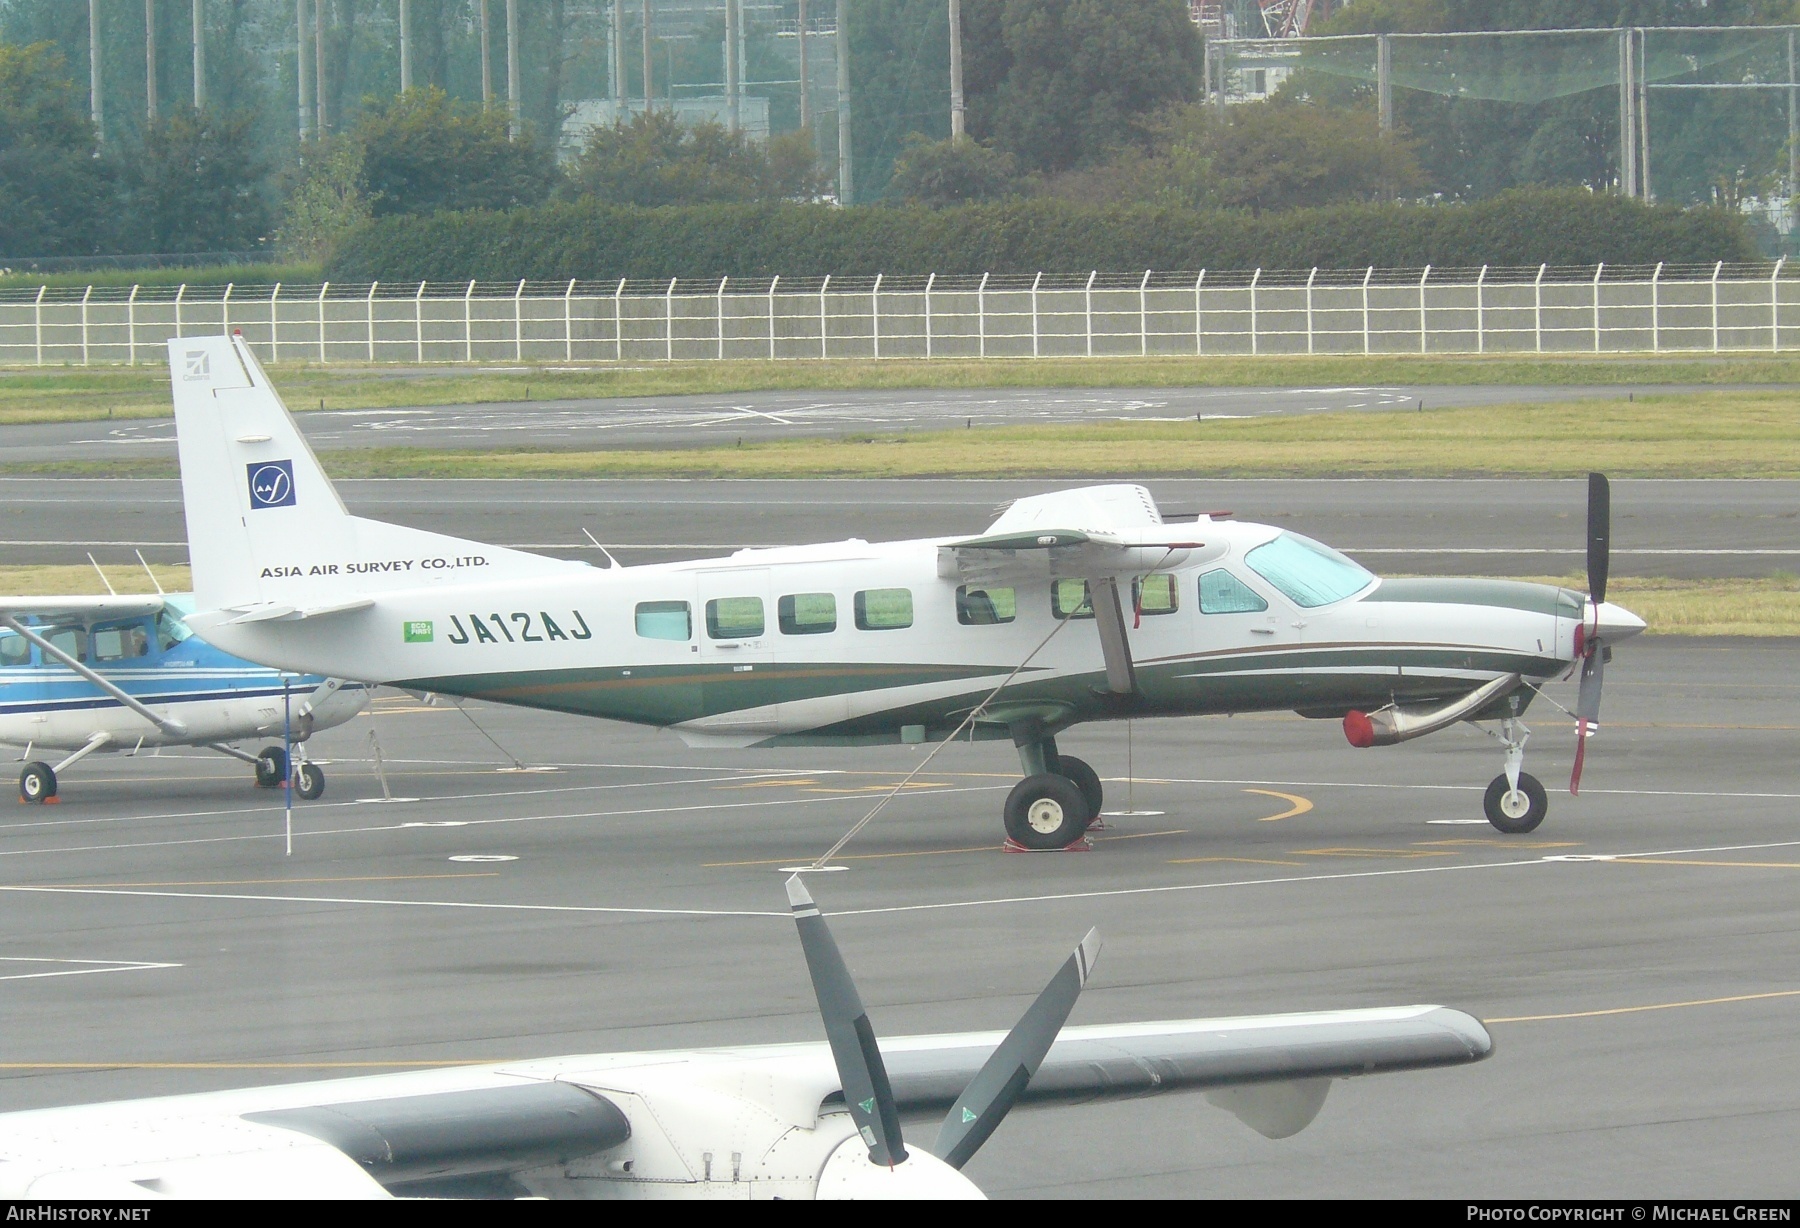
[(122, 673)]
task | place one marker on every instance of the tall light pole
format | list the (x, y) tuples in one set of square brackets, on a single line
[(616, 69), (96, 108), (302, 73), (957, 127), (199, 55), (647, 62), (405, 45), (324, 125), (731, 66), (487, 60), (805, 84), (512, 63), (846, 183), (150, 60)]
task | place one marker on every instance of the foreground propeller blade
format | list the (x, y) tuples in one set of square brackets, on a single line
[(1599, 535), (860, 1069), (997, 1086), (1587, 710)]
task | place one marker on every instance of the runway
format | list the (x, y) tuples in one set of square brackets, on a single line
[(721, 419), (1635, 956), (1455, 526)]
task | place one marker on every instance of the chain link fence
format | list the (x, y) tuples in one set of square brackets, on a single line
[(1542, 310)]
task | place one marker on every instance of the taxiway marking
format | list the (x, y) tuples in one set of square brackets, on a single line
[(1654, 1006), (1296, 804), (90, 967), (977, 848)]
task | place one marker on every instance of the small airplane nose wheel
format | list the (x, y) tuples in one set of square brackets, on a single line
[(1515, 811), (309, 780), (1046, 812), (37, 783)]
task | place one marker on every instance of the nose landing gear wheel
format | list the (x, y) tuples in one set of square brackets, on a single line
[(1086, 779), (1515, 812), (309, 780), (271, 766), (37, 783), (1046, 812)]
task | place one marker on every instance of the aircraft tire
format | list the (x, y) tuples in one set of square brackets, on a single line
[(1515, 814), (37, 783), (271, 766), (1086, 779), (309, 781), (1046, 812)]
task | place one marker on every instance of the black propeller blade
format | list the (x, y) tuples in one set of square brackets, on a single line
[(997, 1086), (853, 1048), (1599, 535)]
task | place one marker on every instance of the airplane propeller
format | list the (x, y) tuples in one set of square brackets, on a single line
[(1588, 644), (868, 1094)]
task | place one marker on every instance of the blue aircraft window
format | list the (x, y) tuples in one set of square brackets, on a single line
[(1309, 573), (72, 640), (664, 620), (734, 618), (14, 650), (170, 630), (1223, 593), (120, 643), (884, 609), (807, 614), (1155, 594), (983, 607), (1070, 599)]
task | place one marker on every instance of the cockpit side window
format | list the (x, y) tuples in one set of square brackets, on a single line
[(72, 640), (1223, 593), (170, 630), (120, 642), (14, 650), (1307, 572)]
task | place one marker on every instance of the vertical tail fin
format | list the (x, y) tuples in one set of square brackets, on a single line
[(264, 523)]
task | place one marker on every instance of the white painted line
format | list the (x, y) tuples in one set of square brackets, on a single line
[(85, 967)]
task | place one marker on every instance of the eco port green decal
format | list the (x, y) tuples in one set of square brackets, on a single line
[(417, 632)]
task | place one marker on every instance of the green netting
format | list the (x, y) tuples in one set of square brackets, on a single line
[(1531, 66)]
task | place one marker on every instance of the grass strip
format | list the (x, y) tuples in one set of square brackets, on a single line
[(1750, 607), (79, 394)]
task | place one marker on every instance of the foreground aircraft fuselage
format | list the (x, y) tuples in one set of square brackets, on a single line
[(1076, 606)]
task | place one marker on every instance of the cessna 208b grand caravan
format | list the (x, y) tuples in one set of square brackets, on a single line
[(1075, 606), (124, 673), (757, 1121)]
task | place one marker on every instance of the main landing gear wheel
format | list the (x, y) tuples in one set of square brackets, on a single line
[(37, 783), (1515, 812), (1047, 812), (1086, 779), (309, 780), (271, 766)]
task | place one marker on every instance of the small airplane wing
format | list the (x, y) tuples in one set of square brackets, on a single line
[(84, 608)]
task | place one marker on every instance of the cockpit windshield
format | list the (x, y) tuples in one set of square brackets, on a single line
[(170, 630), (1308, 572)]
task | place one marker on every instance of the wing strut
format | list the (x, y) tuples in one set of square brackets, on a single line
[(1109, 618)]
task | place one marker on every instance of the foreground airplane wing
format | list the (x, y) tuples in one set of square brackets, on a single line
[(768, 1121)]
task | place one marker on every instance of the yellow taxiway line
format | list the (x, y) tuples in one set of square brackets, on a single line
[(1654, 1006)]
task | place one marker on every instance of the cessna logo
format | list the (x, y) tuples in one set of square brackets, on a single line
[(271, 484), (199, 365)]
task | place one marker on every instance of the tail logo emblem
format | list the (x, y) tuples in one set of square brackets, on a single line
[(199, 366), (271, 484)]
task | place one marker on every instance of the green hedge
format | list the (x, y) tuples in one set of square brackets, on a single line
[(593, 241)]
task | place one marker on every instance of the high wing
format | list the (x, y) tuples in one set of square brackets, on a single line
[(84, 608), (669, 1123), (1100, 534)]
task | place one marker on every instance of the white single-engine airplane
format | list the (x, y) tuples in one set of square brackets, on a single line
[(763, 1121), (856, 643), (87, 674)]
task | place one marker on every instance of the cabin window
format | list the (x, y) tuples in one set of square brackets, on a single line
[(120, 643), (734, 618), (1070, 599), (14, 650), (983, 607), (72, 640), (807, 614), (884, 609), (664, 620), (1157, 594), (1223, 593), (170, 630), (1307, 572)]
